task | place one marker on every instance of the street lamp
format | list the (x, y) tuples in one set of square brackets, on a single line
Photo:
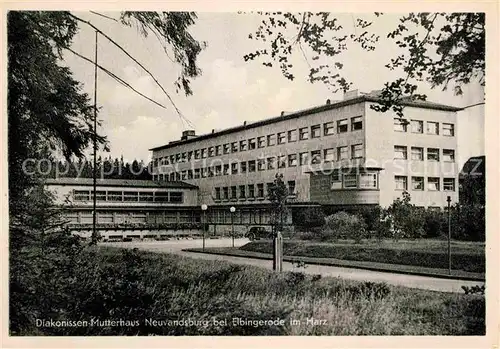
[(204, 210), (448, 199), (233, 210)]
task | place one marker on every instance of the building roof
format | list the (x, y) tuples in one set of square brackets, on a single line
[(475, 166), (120, 183), (367, 97)]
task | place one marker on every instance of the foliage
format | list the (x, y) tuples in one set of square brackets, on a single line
[(309, 217), (406, 219), (108, 283), (439, 48), (473, 182), (278, 194), (344, 225), (474, 289), (417, 253)]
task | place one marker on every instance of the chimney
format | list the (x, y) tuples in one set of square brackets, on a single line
[(328, 102), (351, 94), (188, 134), (282, 113), (244, 123)]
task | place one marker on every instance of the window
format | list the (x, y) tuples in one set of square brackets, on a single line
[(368, 180), (315, 157), (115, 196), (357, 151), (342, 126), (315, 131), (417, 126), (233, 192), (336, 176), (234, 168), (417, 183), (400, 152), (350, 181), (211, 152), (172, 157), (243, 145), (225, 170), (178, 158), (433, 184), (292, 160), (281, 161), (281, 137), (218, 150), (204, 153), (225, 193), (432, 128), (356, 123), (261, 141), (260, 190), (400, 125), (271, 163), (227, 148), (342, 153), (161, 197), (217, 193), (234, 147), (184, 157), (401, 182), (271, 140), (269, 186), (242, 192), (81, 195), (251, 191), (261, 164), (210, 172), (218, 170), (251, 144), (190, 174), (128, 196), (303, 159), (449, 184), (303, 133), (197, 173), (417, 153), (243, 167), (190, 155), (291, 187), (432, 154), (328, 128), (292, 136), (145, 196), (448, 130), (329, 154), (449, 155), (251, 166)]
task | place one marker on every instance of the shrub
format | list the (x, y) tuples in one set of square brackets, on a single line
[(309, 217), (344, 225), (406, 219)]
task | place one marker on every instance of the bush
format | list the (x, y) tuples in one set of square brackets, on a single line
[(344, 225), (309, 217), (407, 220)]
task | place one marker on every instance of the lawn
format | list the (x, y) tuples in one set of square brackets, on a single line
[(143, 287), (466, 256)]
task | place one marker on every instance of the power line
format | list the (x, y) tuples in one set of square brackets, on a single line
[(100, 14), (116, 78), (135, 60)]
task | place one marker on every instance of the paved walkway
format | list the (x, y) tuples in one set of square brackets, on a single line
[(413, 281)]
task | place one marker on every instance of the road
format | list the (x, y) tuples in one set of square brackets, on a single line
[(413, 281)]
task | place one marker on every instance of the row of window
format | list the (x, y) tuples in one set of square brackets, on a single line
[(249, 191), (86, 217), (271, 163), (300, 134), (129, 196), (354, 181), (417, 153), (417, 183), (417, 126)]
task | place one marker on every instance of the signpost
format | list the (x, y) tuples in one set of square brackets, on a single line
[(448, 199), (204, 209), (278, 252), (232, 210)]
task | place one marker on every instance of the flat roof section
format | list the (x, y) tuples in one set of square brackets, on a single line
[(369, 97), (135, 183)]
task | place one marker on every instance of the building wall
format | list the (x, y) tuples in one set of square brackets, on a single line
[(381, 140), (322, 193), (297, 173)]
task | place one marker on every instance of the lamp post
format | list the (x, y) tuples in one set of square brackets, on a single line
[(233, 210), (204, 210), (448, 199)]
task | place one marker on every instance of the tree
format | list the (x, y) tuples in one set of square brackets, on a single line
[(309, 217), (278, 194), (438, 48), (406, 219)]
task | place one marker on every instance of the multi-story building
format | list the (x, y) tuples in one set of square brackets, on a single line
[(339, 154)]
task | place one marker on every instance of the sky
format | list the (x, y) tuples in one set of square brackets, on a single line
[(230, 90)]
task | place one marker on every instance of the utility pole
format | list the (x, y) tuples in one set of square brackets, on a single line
[(448, 199), (94, 175)]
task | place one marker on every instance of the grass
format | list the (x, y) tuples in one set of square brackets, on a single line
[(467, 257), (112, 283)]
